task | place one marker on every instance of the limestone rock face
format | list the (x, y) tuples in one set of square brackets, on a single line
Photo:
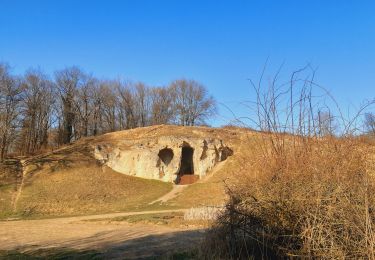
[(166, 158)]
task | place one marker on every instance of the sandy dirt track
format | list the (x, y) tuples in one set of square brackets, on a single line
[(115, 240)]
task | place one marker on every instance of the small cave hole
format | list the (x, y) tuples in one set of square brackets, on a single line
[(217, 154), (204, 151), (225, 152), (165, 155)]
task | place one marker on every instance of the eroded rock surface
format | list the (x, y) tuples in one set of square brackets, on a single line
[(166, 158)]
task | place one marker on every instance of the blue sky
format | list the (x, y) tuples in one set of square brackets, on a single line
[(219, 43)]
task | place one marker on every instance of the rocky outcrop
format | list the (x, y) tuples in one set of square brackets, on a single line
[(164, 158)]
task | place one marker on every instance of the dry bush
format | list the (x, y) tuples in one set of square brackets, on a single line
[(307, 193), (314, 200)]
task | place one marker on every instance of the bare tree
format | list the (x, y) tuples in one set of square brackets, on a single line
[(97, 107), (325, 123), (110, 101), (68, 82), (191, 102), (370, 122), (162, 110), (10, 99), (142, 102), (127, 105), (36, 111), (85, 106)]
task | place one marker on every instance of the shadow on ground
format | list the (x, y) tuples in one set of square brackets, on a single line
[(174, 245)]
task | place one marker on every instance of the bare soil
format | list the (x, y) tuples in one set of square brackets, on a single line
[(114, 240)]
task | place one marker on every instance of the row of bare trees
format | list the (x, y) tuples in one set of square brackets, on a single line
[(37, 112)]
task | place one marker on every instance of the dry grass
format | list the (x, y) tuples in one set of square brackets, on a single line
[(9, 177), (210, 194), (306, 190), (87, 190), (6, 195), (68, 181), (311, 200)]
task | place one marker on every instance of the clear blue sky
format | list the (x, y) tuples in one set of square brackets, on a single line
[(219, 43)]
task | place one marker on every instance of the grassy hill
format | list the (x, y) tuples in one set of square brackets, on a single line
[(69, 181)]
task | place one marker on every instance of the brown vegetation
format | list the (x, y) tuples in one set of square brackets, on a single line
[(314, 199), (305, 192), (70, 182)]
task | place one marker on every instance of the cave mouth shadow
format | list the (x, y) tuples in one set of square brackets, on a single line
[(187, 163), (166, 155), (186, 171)]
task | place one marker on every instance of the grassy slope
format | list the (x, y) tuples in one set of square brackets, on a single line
[(87, 190), (70, 182), (6, 194), (9, 176), (210, 192)]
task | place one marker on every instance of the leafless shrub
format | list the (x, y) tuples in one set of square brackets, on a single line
[(308, 192)]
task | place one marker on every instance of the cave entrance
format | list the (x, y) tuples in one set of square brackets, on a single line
[(186, 172), (165, 155), (187, 164)]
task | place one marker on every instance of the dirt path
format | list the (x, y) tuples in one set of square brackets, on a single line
[(19, 187), (176, 190), (113, 240)]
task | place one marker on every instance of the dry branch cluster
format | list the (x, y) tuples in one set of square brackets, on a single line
[(308, 189), (313, 200)]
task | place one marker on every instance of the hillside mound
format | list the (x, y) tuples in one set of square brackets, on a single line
[(74, 180)]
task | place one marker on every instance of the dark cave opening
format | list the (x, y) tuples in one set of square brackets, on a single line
[(187, 164), (225, 153), (166, 155), (186, 171)]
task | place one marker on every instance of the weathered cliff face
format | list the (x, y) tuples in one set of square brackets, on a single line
[(166, 158)]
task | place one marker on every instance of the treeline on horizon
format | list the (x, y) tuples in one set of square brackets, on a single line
[(39, 112)]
